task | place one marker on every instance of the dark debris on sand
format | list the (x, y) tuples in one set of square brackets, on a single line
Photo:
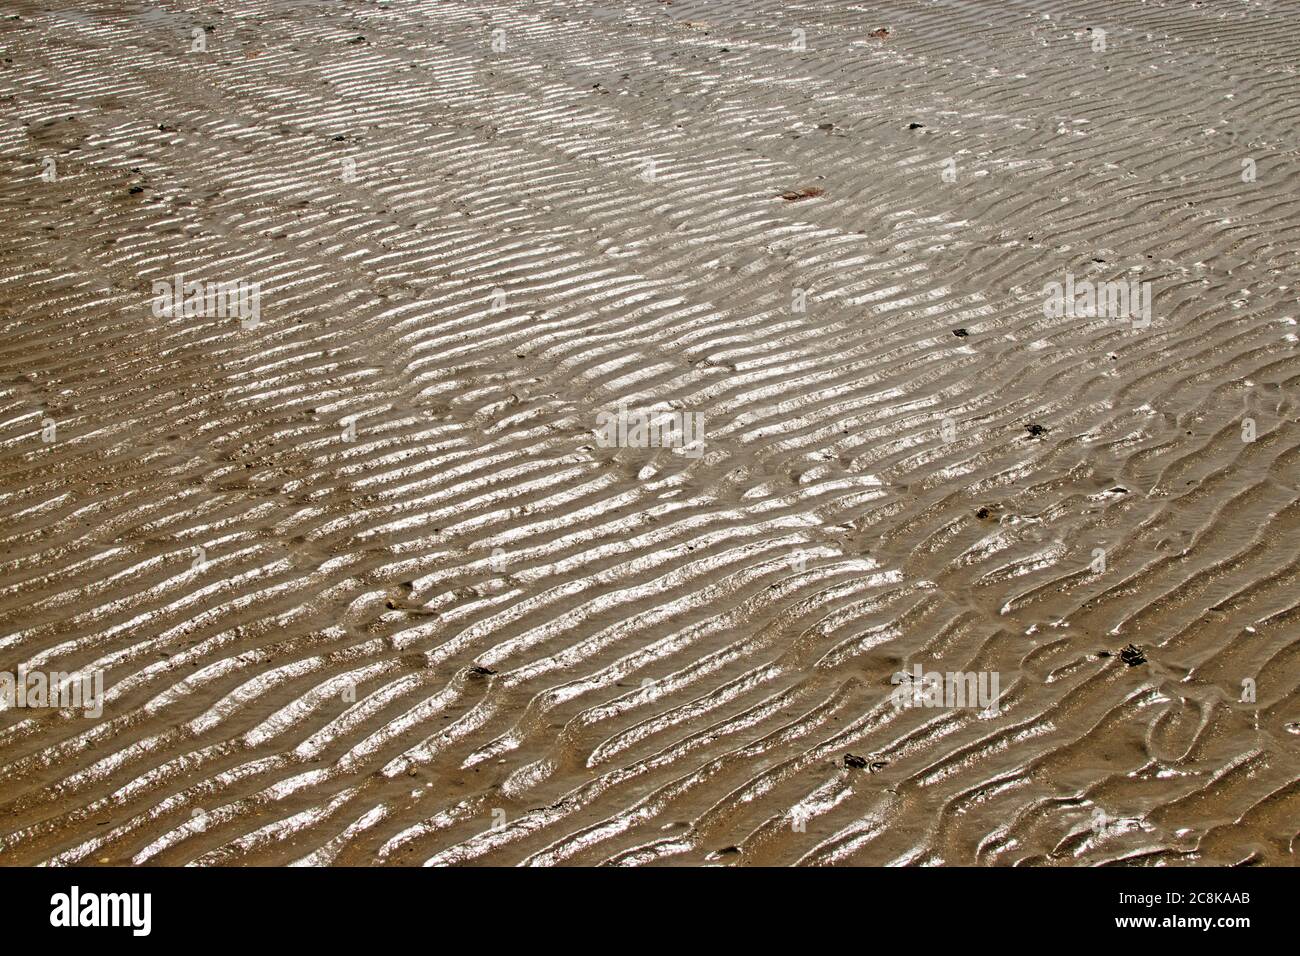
[(804, 192), (1132, 656)]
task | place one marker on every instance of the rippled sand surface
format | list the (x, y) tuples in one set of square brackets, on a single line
[(366, 588)]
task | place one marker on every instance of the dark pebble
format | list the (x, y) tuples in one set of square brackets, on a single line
[(1132, 656)]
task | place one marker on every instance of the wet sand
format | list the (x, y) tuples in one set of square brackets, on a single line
[(365, 586)]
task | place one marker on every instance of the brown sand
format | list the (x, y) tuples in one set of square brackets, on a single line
[(568, 653)]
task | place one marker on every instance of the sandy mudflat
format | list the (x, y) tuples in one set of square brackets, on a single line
[(367, 588)]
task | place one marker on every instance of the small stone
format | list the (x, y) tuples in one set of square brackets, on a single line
[(1132, 656)]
